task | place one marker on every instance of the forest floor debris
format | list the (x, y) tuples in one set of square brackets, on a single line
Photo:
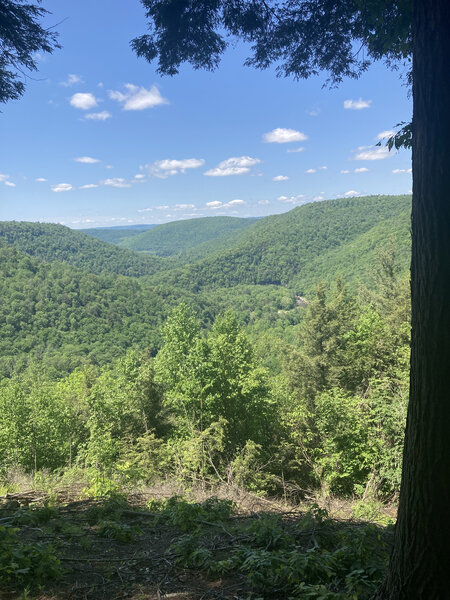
[(156, 546)]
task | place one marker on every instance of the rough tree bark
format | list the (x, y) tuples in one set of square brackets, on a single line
[(419, 567)]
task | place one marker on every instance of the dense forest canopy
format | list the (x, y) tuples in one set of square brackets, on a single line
[(179, 236), (65, 308), (50, 242), (68, 297), (77, 356), (315, 241), (115, 235)]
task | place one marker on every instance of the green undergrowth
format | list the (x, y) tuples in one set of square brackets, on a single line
[(291, 555), (190, 516), (27, 564), (301, 556)]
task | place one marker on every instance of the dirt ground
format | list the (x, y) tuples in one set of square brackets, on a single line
[(106, 557), (97, 566)]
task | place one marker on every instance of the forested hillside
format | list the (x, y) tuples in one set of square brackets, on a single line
[(180, 236), (206, 409), (65, 298), (312, 242), (51, 242), (114, 235), (63, 316)]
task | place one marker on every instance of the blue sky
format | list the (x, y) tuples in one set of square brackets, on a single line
[(99, 139)]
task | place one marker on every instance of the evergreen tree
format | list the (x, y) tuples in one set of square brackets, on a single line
[(318, 364), (21, 38)]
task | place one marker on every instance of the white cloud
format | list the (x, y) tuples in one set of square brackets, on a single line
[(397, 171), (40, 179), (142, 210), (167, 167), (215, 204), (72, 79), (263, 202), (292, 150), (385, 134), (184, 206), (358, 170), (88, 186), (80, 221), (138, 98), (226, 172), (236, 165), (62, 187), (139, 176), (5, 179), (83, 101), (323, 168), (99, 116), (357, 104), (88, 160), (372, 153), (117, 182), (311, 171), (284, 136), (352, 193), (318, 198), (314, 112), (280, 178), (164, 207), (292, 199)]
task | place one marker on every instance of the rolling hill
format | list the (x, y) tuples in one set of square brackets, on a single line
[(180, 236), (51, 242), (115, 235), (312, 242), (66, 297)]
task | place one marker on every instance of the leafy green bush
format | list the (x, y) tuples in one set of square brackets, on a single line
[(109, 509), (26, 564), (314, 557), (189, 516), (120, 532), (33, 516), (189, 552)]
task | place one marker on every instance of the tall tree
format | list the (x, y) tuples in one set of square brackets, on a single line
[(304, 37), (21, 38), (418, 568)]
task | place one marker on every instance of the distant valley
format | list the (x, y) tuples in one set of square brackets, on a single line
[(71, 295)]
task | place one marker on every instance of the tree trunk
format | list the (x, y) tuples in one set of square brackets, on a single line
[(419, 568)]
